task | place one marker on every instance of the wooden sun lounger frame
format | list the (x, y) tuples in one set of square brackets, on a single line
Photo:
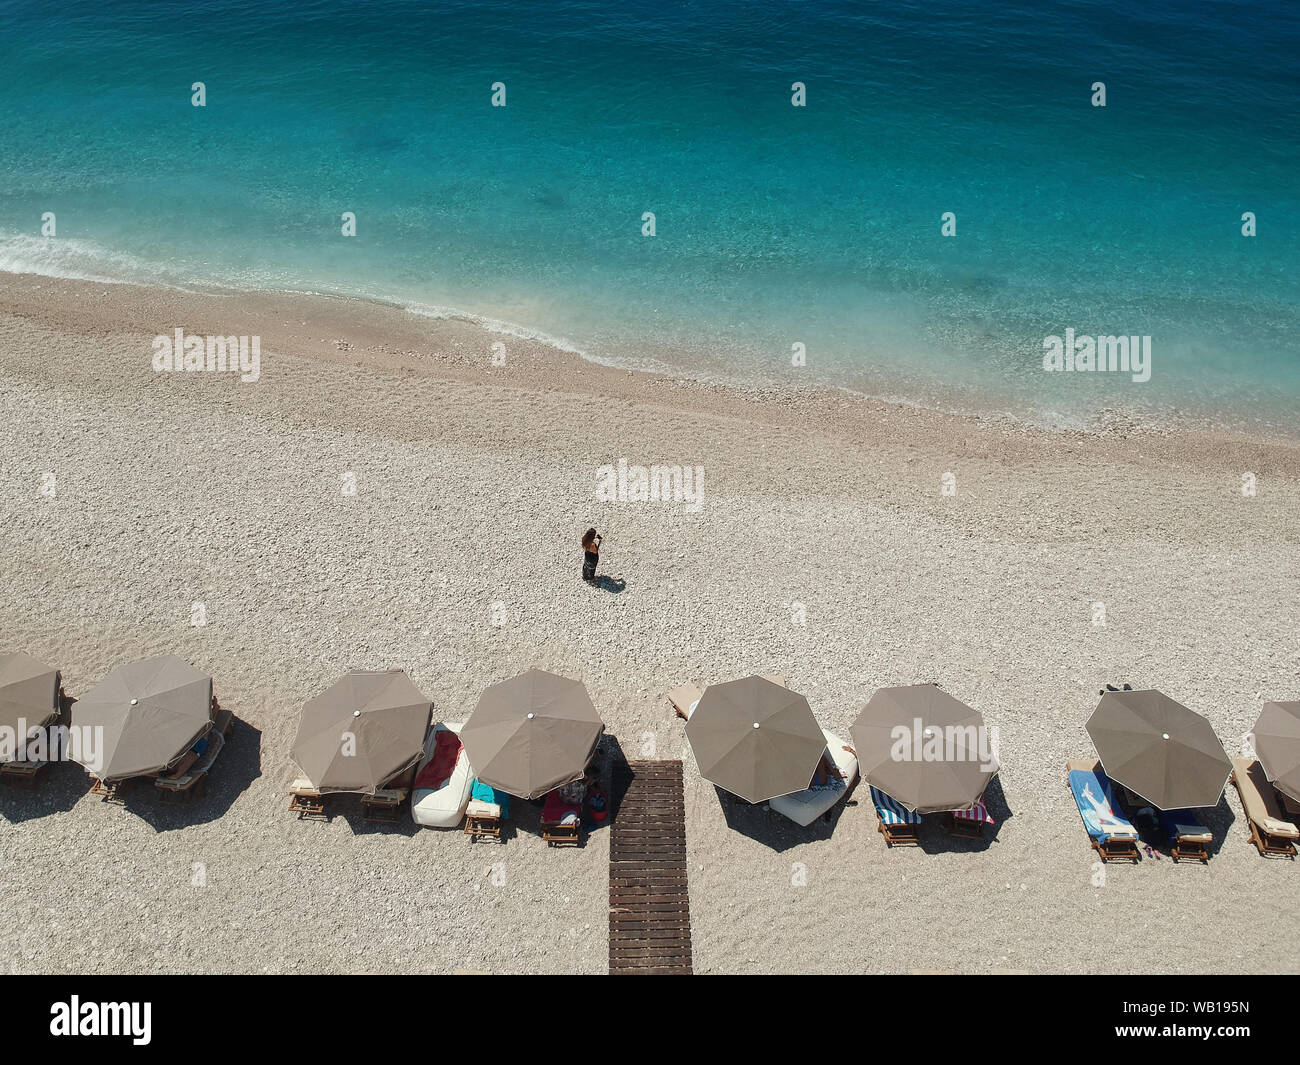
[(306, 801), (963, 828), (898, 835), (384, 805), (1268, 845), (559, 835), (25, 775), (1109, 850), (480, 825), (106, 790), (1196, 849), (1117, 850), (1180, 847)]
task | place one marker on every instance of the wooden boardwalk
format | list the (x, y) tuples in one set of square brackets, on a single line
[(649, 901)]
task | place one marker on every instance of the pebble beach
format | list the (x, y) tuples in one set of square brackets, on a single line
[(826, 550)]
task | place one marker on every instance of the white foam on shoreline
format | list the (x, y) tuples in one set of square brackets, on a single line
[(77, 259), (496, 325), (72, 259)]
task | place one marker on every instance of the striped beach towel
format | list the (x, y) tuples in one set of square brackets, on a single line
[(978, 813), (891, 811)]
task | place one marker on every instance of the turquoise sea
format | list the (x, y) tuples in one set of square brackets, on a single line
[(775, 224)]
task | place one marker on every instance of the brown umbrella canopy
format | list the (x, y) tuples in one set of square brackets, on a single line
[(755, 739), (363, 730), (1159, 749), (532, 733), (145, 715), (29, 692), (1277, 743), (923, 748)]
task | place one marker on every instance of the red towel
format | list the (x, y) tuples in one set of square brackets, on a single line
[(446, 753), (555, 809)]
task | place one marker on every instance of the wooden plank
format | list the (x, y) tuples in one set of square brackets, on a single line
[(629, 922), (649, 901)]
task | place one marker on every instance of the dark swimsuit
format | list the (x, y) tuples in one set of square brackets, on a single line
[(589, 559)]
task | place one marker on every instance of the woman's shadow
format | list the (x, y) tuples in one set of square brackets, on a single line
[(609, 584)]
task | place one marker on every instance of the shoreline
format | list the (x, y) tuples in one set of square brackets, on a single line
[(459, 347)]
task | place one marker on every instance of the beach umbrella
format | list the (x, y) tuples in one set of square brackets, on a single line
[(532, 733), (1277, 743), (145, 714), (755, 738), (361, 731), (1159, 749), (29, 695), (923, 748)]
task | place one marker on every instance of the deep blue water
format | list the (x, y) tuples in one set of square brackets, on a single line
[(775, 224)]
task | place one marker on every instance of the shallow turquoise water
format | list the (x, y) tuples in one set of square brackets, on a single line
[(775, 224)]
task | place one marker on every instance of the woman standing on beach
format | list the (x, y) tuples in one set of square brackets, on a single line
[(590, 555)]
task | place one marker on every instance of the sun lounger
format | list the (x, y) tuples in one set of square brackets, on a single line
[(899, 825), (384, 805), (486, 810), (443, 780), (482, 820), (1290, 807), (561, 821), (28, 773), (1113, 837), (685, 696), (1188, 838), (1269, 831), (804, 807), (107, 790), (561, 835), (193, 781), (23, 774), (968, 824), (305, 800)]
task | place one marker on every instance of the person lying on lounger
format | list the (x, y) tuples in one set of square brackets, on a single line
[(826, 771), (189, 758)]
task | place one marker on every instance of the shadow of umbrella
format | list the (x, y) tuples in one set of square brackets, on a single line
[(238, 765)]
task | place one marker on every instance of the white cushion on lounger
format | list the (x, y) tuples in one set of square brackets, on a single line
[(1284, 829), (1194, 833)]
